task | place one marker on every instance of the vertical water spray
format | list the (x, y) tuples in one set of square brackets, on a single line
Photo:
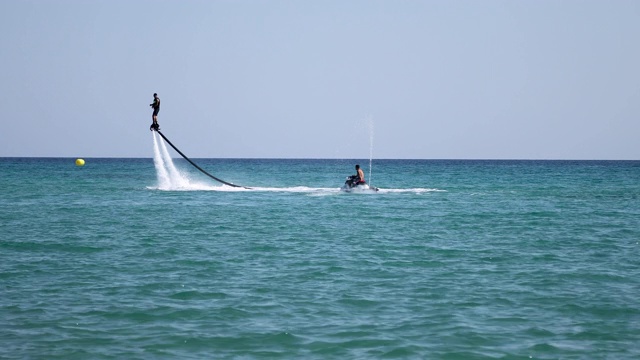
[(164, 181), (176, 178), (370, 124), (169, 178)]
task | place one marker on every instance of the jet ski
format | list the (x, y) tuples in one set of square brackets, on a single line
[(352, 185)]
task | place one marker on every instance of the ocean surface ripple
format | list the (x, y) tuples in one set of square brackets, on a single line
[(450, 260)]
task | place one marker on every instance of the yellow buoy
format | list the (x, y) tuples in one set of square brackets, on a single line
[(79, 162)]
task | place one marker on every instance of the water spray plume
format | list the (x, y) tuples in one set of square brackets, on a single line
[(370, 124), (168, 175)]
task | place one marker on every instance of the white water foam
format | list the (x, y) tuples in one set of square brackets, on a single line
[(311, 191), (414, 190), (164, 181), (169, 177), (177, 179)]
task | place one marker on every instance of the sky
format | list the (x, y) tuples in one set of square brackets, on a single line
[(394, 79)]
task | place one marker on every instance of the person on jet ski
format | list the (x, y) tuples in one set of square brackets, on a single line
[(357, 179)]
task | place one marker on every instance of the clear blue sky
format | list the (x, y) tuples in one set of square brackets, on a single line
[(303, 79)]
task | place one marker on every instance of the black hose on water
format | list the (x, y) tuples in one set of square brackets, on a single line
[(195, 165)]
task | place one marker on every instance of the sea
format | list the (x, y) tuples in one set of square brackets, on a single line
[(150, 258)]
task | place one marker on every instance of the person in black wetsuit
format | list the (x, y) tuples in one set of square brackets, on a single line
[(156, 109)]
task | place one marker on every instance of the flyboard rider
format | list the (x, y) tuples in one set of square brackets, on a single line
[(156, 109)]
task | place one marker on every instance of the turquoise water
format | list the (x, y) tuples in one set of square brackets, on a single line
[(450, 260)]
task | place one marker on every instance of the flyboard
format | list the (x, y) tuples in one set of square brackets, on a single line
[(157, 129)]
